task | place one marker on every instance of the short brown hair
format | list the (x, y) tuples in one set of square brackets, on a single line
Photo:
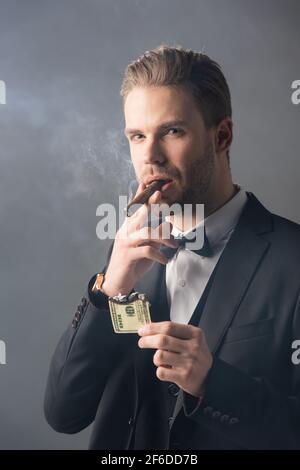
[(176, 66)]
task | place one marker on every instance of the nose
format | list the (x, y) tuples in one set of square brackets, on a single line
[(153, 153)]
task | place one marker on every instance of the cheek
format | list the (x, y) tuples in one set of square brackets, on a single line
[(178, 154), (183, 158), (184, 151)]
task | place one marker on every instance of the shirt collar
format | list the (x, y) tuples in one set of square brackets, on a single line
[(219, 223)]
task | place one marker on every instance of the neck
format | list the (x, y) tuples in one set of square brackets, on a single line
[(190, 219)]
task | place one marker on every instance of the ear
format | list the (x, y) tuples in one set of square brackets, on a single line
[(224, 135)]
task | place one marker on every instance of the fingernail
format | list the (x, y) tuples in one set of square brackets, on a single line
[(142, 331)]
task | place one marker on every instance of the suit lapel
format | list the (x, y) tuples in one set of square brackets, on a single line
[(233, 276), (236, 268), (153, 284)]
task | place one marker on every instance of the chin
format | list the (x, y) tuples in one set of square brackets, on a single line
[(170, 199)]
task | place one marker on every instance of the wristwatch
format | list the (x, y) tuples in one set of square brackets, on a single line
[(128, 312), (98, 283)]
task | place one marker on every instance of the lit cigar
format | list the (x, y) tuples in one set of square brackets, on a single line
[(146, 194)]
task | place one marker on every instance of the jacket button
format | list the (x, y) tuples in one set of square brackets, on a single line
[(74, 323), (173, 389), (77, 316), (224, 418), (233, 421), (83, 302), (207, 411), (131, 421), (79, 309), (216, 414)]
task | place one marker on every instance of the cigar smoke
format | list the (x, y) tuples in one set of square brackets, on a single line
[(92, 155)]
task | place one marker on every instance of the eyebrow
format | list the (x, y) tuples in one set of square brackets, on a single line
[(164, 125)]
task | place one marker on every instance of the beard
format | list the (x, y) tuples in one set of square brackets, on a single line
[(199, 177)]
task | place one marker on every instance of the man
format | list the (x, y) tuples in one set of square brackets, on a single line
[(213, 370)]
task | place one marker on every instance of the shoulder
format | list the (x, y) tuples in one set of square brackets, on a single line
[(282, 234), (263, 220), (285, 245), (286, 230)]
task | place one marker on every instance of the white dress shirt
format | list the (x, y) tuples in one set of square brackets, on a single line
[(187, 273)]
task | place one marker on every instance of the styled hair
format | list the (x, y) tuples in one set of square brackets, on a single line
[(194, 71)]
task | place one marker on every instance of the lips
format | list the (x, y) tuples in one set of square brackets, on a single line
[(150, 180), (167, 185)]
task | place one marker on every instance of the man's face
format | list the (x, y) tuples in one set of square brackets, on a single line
[(168, 138)]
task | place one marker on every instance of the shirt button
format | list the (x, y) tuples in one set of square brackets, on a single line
[(182, 282)]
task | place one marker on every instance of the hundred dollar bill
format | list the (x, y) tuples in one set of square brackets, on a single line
[(129, 313)]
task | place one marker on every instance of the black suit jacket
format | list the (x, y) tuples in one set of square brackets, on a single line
[(250, 319)]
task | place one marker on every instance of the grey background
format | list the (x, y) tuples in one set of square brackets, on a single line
[(62, 153)]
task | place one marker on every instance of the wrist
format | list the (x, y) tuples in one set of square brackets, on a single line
[(111, 290)]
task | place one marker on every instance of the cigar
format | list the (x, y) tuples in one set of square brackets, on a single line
[(146, 194)]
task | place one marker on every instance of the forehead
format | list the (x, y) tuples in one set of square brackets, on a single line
[(151, 106)]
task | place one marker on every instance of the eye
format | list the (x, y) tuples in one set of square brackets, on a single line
[(174, 131), (135, 136)]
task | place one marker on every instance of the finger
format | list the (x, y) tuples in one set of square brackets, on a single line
[(138, 218), (155, 198), (169, 328), (168, 374), (149, 252), (157, 244), (140, 189), (165, 231), (166, 358), (164, 343), (155, 207), (160, 235), (151, 204)]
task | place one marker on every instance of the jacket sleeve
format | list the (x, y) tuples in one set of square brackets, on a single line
[(250, 410), (81, 363)]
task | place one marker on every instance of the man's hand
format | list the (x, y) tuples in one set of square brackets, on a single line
[(182, 355), (136, 249)]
